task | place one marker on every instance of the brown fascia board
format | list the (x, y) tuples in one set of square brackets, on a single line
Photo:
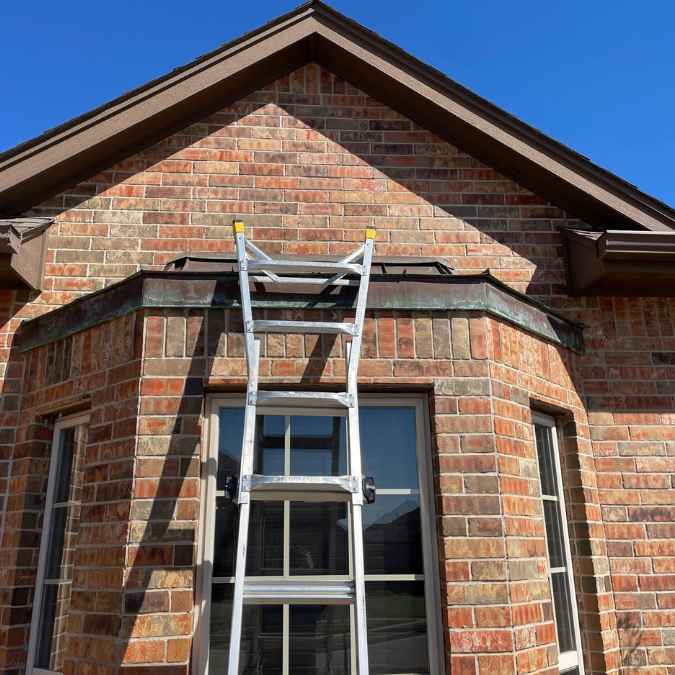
[(34, 170), (621, 262)]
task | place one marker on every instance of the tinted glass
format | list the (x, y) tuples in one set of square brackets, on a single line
[(269, 450), (318, 538), (230, 430), (397, 627), (261, 644), (265, 544), (64, 466), (393, 535), (563, 611), (266, 539), (48, 611), (57, 534), (318, 446), (389, 443), (319, 640), (554, 534), (546, 461)]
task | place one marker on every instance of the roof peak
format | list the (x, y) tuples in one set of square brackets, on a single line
[(315, 31)]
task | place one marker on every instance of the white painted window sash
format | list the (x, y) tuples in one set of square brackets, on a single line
[(62, 424), (572, 658)]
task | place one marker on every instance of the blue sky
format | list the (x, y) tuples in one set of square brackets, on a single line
[(597, 75)]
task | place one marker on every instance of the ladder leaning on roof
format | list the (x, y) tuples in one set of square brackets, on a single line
[(352, 488)]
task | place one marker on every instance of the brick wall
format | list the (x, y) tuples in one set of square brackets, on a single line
[(308, 162)]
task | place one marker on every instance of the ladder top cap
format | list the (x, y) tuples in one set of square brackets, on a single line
[(370, 233), (238, 226)]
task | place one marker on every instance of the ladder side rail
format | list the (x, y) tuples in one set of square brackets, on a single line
[(244, 500), (356, 506), (245, 293), (355, 462), (360, 315)]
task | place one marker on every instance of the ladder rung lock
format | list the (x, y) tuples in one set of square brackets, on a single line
[(281, 266), (310, 327), (303, 592), (297, 400), (301, 488)]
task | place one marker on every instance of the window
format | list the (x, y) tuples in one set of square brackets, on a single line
[(292, 539), (562, 580), (60, 523)]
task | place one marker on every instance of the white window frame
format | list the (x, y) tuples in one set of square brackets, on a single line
[(61, 424), (573, 658), (432, 590)]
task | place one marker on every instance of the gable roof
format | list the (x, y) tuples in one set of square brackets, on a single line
[(314, 32)]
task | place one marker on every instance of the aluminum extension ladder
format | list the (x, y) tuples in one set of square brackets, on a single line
[(255, 265)]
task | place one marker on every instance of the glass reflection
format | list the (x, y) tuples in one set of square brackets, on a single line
[(319, 640), (262, 635), (265, 539), (392, 535), (318, 538), (230, 432), (389, 443), (563, 611), (397, 627), (318, 446), (546, 460)]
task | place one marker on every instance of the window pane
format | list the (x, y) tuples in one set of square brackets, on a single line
[(397, 627), (64, 465), (57, 532), (389, 443), (563, 611), (318, 446), (546, 462), (554, 534), (265, 538), (230, 432), (269, 449), (319, 543), (261, 644), (319, 640), (53, 626), (393, 535), (47, 617)]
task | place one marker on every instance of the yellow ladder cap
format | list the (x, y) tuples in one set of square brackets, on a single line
[(238, 226), (370, 233)]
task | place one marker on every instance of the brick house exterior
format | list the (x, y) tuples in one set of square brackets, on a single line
[(308, 159)]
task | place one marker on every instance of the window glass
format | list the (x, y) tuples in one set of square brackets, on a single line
[(393, 535), (319, 639), (60, 525), (397, 627), (318, 538), (296, 539), (387, 436)]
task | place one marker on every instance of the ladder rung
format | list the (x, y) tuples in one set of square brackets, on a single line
[(282, 266), (299, 592), (311, 327), (298, 401), (301, 488)]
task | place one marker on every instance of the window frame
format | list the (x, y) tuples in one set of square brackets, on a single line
[(432, 590), (541, 419), (63, 423)]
